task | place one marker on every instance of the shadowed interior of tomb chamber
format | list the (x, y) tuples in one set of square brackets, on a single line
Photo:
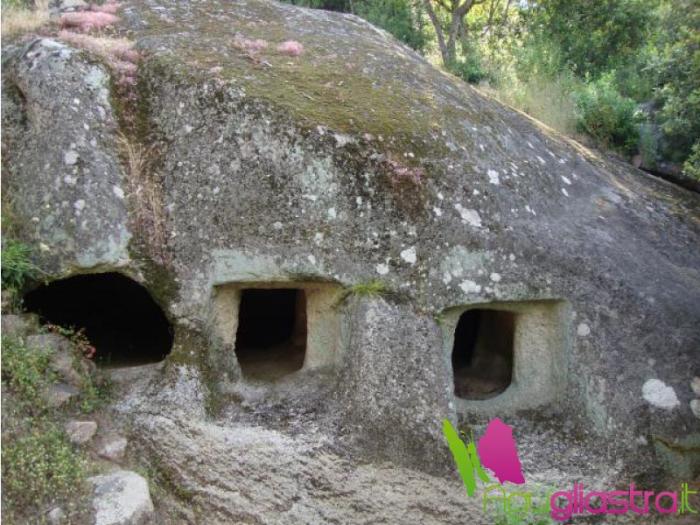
[(120, 318), (271, 336), (482, 356)]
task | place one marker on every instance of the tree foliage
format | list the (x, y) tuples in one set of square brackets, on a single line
[(677, 72), (398, 17), (593, 36)]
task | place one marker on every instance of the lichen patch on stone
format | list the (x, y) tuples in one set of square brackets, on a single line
[(660, 395)]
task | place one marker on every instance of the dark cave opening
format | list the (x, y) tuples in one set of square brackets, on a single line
[(120, 318), (271, 336), (482, 355)]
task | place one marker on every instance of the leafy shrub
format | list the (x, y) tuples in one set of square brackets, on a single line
[(397, 17), (677, 72), (470, 68), (691, 168), (593, 36), (604, 114)]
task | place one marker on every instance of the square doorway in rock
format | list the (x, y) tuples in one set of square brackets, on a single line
[(507, 356), (272, 332), (277, 329)]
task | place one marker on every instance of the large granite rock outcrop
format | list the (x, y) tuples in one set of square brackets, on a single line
[(345, 162)]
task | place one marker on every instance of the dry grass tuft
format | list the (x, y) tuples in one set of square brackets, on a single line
[(20, 20), (88, 20), (547, 100), (291, 48), (118, 53), (145, 194)]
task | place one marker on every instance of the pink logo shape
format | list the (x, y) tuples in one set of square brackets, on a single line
[(498, 453)]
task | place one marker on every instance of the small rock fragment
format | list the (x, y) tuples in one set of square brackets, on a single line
[(56, 516), (60, 394), (70, 157), (112, 447), (694, 384), (80, 432), (695, 407), (65, 6)]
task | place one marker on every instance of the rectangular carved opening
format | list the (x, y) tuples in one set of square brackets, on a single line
[(271, 335), (482, 355)]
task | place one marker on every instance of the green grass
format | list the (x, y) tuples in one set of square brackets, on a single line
[(369, 289), (373, 288), (17, 266)]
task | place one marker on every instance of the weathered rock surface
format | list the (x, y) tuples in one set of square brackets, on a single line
[(257, 475), (353, 162), (80, 432), (56, 516), (405, 365), (63, 359), (121, 498), (695, 407), (60, 394), (112, 446), (56, 101)]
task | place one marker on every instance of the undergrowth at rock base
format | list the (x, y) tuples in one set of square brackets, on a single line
[(41, 469)]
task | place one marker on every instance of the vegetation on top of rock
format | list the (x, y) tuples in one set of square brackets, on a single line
[(582, 67), (23, 16), (369, 289), (398, 17)]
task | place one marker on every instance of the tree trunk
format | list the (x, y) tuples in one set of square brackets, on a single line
[(448, 48), (438, 31)]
